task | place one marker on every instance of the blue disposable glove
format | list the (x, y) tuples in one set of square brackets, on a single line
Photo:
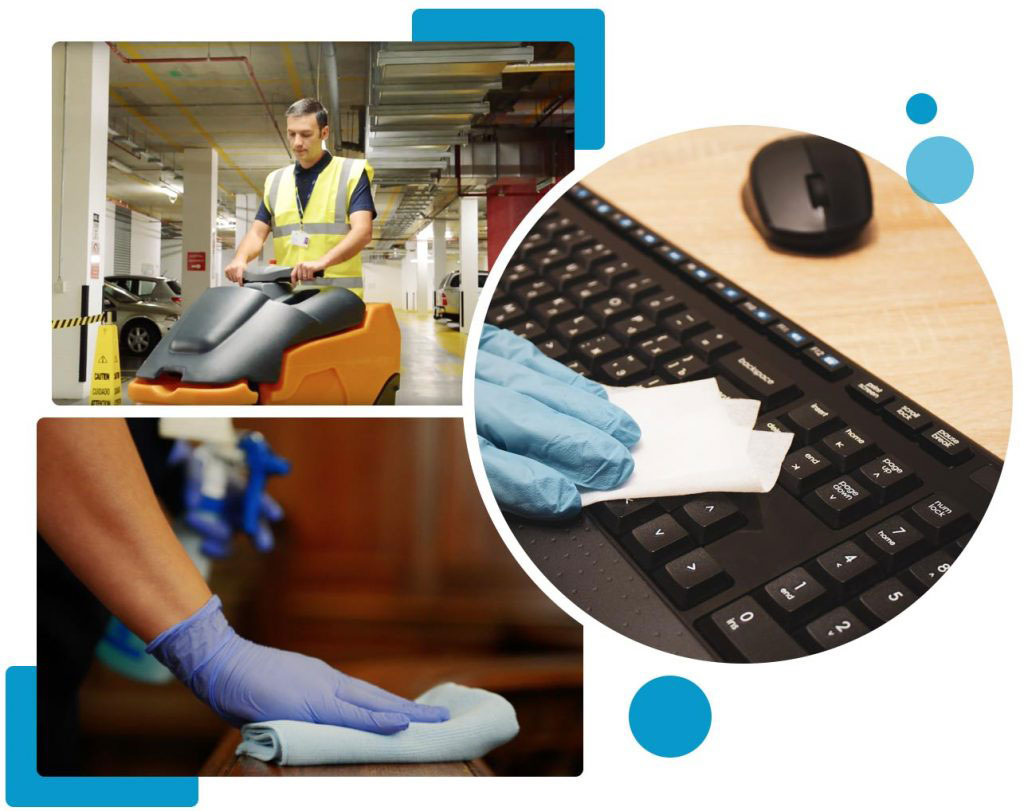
[(544, 430), (244, 682)]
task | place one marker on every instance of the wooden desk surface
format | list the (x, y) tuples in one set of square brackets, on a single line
[(910, 304)]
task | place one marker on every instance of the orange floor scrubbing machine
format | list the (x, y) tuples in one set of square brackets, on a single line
[(269, 343)]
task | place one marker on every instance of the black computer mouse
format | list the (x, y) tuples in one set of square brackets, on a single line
[(808, 193)]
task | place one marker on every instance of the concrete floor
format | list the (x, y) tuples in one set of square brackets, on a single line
[(431, 366)]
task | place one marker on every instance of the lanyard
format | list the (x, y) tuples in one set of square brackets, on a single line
[(298, 202)]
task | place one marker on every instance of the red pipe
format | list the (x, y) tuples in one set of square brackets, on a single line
[(243, 59)]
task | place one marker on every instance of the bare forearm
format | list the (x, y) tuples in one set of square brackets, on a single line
[(251, 245), (99, 514), (351, 245)]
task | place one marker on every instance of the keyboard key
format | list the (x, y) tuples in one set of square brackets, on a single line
[(547, 260), (554, 310), (606, 310), (840, 502), (530, 292), (847, 569), (836, 628), (657, 542), (614, 272), (573, 240), (504, 314), (575, 328), (516, 274), (752, 634), (565, 277), (811, 421), (941, 518), (552, 348), (697, 273), (908, 417), (758, 380), (712, 345), (633, 327), (624, 515), (673, 256), (593, 256), (725, 291), (825, 362), (928, 570), (711, 518), (529, 330), (946, 445), (888, 478), (683, 325), (870, 392), (886, 600), (592, 350), (658, 347), (756, 313), (848, 447), (661, 305), (795, 596), (625, 371), (894, 542), (773, 424), (686, 368), (692, 578), (789, 336), (803, 470), (587, 291), (637, 287)]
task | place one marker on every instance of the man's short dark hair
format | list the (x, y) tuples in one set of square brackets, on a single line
[(309, 107)]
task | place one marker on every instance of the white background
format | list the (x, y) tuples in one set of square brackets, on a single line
[(925, 711)]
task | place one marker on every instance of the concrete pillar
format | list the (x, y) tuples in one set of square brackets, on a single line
[(469, 259), (409, 276), (198, 222), (424, 292), (81, 78), (440, 252)]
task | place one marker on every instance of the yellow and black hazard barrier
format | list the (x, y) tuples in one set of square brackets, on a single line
[(63, 323)]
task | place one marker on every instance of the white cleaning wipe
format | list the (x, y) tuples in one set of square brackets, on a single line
[(480, 721), (695, 441)]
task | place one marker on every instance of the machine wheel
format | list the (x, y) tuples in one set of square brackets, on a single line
[(387, 394), (139, 337)]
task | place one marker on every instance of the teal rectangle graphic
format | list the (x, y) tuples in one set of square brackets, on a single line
[(25, 788), (584, 28)]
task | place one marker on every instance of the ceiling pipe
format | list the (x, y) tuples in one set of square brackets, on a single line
[(458, 181), (333, 97), (243, 59)]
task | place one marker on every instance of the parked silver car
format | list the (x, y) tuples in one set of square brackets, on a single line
[(159, 289), (141, 324), (446, 297)]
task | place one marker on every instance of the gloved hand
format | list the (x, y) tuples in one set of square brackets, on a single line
[(544, 429), (244, 682)]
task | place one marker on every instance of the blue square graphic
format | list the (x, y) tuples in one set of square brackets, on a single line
[(25, 787), (584, 28)]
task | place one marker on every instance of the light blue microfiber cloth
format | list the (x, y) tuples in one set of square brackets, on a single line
[(480, 721)]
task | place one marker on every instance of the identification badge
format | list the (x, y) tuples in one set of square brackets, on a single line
[(300, 239)]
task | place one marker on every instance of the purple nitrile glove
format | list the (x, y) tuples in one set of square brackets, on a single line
[(244, 682)]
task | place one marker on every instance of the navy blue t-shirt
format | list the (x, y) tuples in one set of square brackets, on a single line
[(362, 199)]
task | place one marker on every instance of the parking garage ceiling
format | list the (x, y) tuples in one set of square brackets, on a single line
[(506, 107)]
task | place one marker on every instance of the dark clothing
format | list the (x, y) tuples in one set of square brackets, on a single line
[(70, 622), (305, 179)]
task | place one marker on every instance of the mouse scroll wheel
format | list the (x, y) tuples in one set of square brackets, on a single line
[(818, 190)]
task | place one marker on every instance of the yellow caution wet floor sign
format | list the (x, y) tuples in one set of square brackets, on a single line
[(106, 368)]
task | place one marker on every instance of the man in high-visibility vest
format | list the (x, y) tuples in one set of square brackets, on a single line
[(319, 211)]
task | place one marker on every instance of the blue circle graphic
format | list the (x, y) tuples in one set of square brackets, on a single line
[(921, 108), (940, 169), (670, 716)]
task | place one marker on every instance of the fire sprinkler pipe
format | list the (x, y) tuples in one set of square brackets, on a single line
[(243, 59)]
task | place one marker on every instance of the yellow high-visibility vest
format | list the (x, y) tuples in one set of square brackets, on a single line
[(324, 218)]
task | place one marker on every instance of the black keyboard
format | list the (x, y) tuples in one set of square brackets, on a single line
[(875, 501)]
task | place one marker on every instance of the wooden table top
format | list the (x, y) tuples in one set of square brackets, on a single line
[(909, 303)]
